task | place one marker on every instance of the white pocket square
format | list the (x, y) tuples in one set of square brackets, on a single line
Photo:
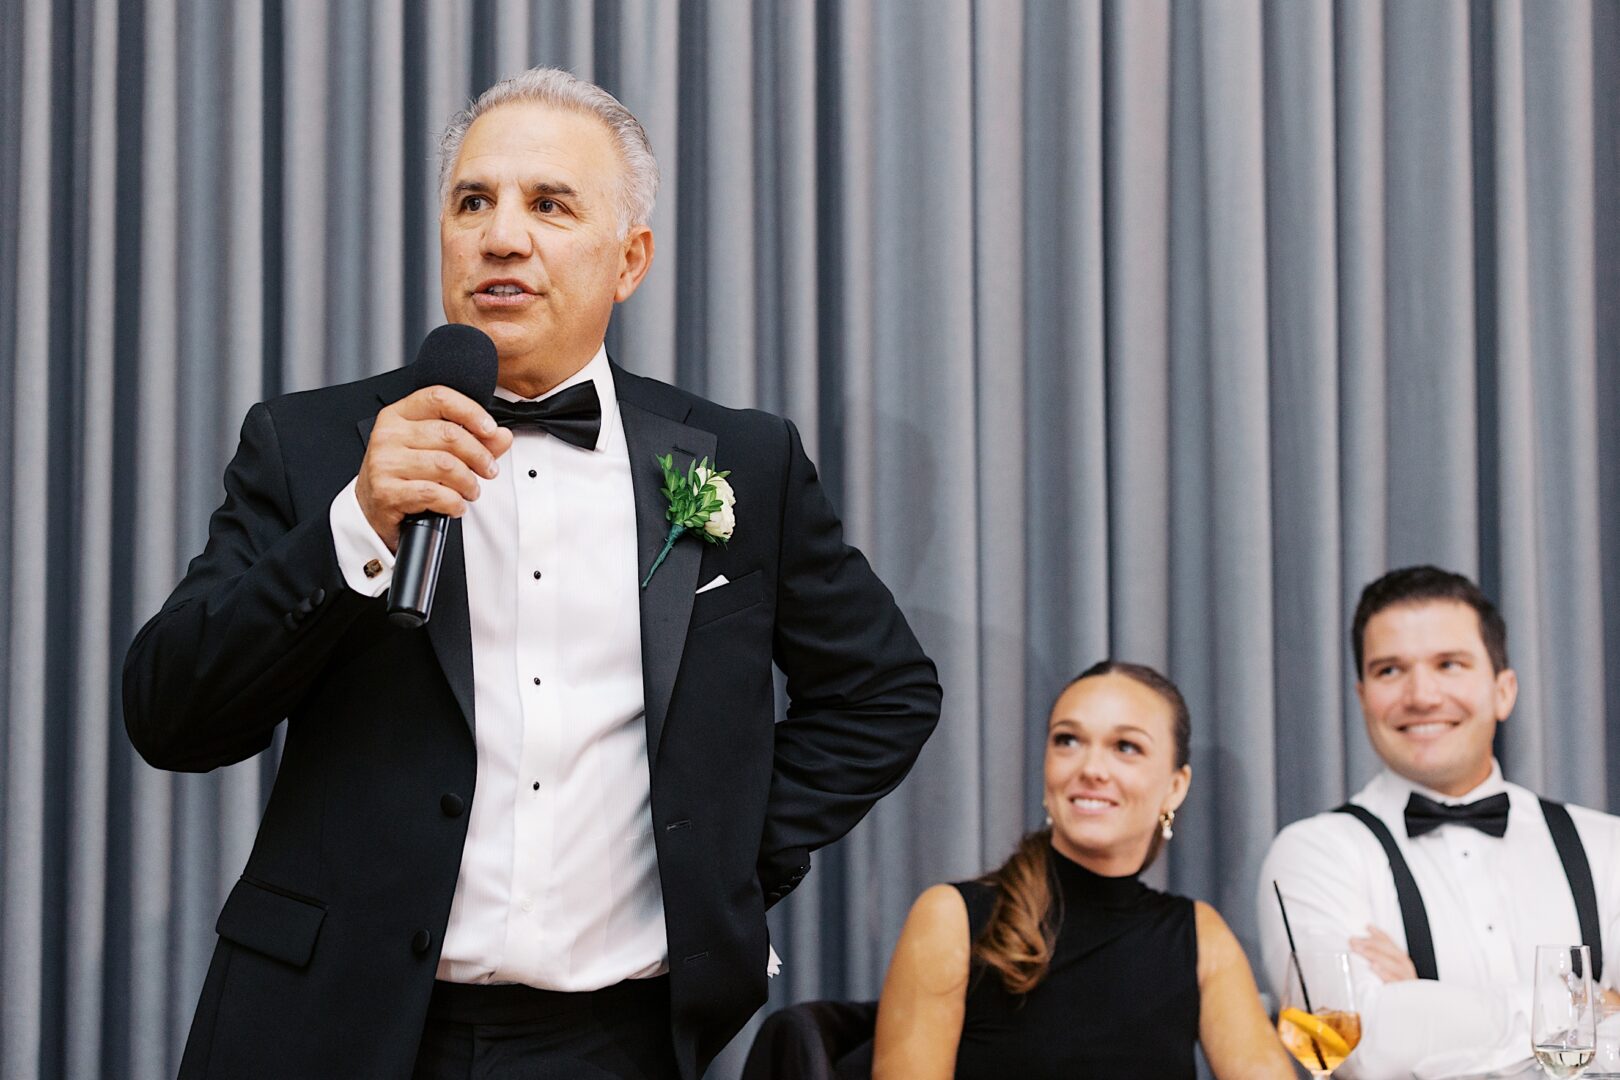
[(715, 584)]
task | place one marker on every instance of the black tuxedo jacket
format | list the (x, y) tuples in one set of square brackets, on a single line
[(329, 941)]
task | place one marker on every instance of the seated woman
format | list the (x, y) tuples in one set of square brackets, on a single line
[(1061, 963)]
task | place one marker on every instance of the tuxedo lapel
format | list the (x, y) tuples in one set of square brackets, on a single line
[(449, 626), (653, 427)]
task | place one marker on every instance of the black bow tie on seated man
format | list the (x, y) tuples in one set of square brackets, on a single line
[(1489, 816), (573, 415)]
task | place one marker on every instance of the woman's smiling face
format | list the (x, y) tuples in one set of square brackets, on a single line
[(1111, 771)]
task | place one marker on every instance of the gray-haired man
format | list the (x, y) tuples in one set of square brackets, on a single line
[(539, 837)]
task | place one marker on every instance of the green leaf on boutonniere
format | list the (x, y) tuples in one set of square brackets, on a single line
[(700, 502)]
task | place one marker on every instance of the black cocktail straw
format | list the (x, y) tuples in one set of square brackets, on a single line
[(1298, 970)]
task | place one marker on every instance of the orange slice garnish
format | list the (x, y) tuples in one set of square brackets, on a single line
[(1332, 1042)]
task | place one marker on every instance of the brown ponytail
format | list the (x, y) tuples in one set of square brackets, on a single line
[(1018, 939)]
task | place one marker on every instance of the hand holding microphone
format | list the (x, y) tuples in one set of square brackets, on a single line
[(425, 457)]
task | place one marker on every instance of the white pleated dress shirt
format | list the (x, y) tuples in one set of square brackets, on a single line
[(1490, 902), (559, 884)]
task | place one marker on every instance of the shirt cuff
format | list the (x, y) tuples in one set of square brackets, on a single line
[(366, 562)]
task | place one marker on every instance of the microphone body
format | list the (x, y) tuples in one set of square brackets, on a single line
[(462, 358), (416, 569)]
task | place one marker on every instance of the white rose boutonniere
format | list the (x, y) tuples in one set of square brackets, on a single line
[(722, 521), (700, 502)]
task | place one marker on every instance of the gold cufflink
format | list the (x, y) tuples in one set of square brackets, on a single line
[(373, 568)]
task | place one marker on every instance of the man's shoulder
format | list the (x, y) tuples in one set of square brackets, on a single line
[(1588, 819), (1327, 850), (341, 401), (1328, 823), (1584, 816), (677, 403), (1328, 837)]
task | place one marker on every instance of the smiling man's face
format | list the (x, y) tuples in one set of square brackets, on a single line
[(1430, 696), (530, 246)]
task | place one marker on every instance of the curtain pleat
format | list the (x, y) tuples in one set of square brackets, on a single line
[(23, 951), (1152, 328), (1362, 447), (1302, 343), (84, 938)]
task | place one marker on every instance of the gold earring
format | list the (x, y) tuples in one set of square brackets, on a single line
[(1166, 820)]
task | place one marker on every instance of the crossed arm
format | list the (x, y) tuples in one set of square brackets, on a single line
[(1409, 1026)]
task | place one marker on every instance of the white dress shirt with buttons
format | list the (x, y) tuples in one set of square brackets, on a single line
[(559, 883), (1490, 902)]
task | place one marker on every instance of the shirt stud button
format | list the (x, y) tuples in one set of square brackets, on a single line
[(533, 474), (537, 575)]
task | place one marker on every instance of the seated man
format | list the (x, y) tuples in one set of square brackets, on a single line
[(1486, 870)]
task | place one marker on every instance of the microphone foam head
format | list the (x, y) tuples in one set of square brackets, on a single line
[(460, 357)]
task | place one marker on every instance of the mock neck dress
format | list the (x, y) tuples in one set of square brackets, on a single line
[(1120, 998)]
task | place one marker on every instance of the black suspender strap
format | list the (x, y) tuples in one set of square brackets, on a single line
[(1419, 942), (1579, 872)]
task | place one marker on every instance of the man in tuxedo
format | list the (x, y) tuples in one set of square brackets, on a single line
[(537, 837), (1440, 877)]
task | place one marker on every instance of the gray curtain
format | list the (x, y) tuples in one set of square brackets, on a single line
[(1146, 327)]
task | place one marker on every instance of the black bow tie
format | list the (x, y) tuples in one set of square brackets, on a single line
[(573, 415), (1489, 816)]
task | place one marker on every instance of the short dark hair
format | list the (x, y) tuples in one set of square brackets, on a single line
[(1159, 685), (1419, 584)]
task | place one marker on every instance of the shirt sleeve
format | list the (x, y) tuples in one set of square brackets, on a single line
[(1421, 1028), (366, 562), (1322, 872)]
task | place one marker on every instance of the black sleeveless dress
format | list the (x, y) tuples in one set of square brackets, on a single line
[(1120, 999)]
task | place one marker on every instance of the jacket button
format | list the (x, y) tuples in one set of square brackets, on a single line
[(420, 942), (305, 606), (290, 621), (451, 804), (318, 597)]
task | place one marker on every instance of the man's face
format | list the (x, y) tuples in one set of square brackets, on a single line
[(1429, 695), (529, 244)]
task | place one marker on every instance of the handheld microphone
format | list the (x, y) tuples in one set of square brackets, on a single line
[(462, 358)]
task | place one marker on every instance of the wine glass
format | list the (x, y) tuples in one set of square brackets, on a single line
[(1319, 1021), (1563, 1019)]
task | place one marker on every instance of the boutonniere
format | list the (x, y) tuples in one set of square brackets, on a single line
[(700, 501)]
